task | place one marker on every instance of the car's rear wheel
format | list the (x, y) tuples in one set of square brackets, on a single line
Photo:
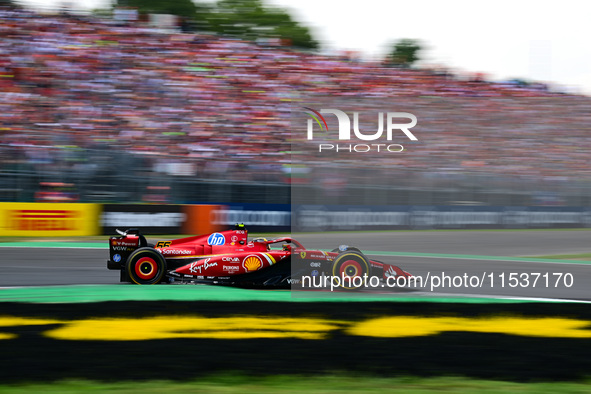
[(145, 266), (350, 267)]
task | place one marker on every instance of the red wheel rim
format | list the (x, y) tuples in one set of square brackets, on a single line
[(145, 268), (350, 268)]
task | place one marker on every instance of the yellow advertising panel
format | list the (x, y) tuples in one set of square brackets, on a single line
[(48, 219)]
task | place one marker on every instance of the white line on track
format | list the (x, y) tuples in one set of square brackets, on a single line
[(488, 296)]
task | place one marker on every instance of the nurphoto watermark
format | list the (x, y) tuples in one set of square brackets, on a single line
[(396, 123)]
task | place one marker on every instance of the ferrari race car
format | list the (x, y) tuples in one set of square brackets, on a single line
[(229, 258)]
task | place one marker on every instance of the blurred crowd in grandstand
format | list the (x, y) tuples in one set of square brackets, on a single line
[(220, 108)]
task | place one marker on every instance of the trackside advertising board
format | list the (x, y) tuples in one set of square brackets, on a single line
[(384, 217), (256, 217), (158, 219), (48, 219), (150, 219), (195, 218)]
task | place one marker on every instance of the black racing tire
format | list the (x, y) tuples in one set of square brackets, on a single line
[(145, 266), (350, 263)]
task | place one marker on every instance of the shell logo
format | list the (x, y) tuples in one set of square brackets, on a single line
[(252, 263)]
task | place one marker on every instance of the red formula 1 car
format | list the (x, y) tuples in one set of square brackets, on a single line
[(228, 258)]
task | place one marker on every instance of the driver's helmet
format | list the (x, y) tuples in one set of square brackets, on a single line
[(262, 240), (287, 247)]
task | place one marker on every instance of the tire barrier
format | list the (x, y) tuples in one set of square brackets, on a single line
[(123, 340)]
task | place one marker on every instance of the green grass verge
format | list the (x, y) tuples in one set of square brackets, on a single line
[(579, 256), (128, 292), (228, 383)]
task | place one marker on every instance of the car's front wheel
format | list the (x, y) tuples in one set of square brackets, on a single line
[(145, 266), (350, 267)]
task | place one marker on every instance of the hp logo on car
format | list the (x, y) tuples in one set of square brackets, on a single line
[(216, 239)]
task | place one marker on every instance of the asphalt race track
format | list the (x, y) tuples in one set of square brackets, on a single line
[(494, 243), (417, 331), (467, 256)]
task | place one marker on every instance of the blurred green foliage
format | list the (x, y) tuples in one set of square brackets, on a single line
[(247, 19), (337, 383), (405, 52), (184, 8)]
